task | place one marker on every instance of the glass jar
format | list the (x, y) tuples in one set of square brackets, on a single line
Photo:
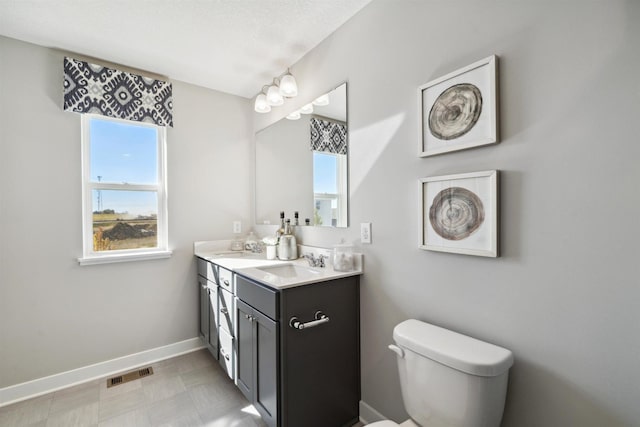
[(251, 242), (343, 257)]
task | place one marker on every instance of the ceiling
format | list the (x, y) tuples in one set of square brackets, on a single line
[(234, 46)]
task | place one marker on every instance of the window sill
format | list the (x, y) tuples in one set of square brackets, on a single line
[(108, 259)]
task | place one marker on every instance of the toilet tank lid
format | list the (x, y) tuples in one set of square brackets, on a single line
[(450, 348)]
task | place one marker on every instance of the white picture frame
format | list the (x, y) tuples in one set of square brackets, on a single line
[(472, 87), (459, 213)]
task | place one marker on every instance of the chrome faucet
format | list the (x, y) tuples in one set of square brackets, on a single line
[(313, 261)]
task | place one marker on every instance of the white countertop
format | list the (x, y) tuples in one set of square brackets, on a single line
[(236, 260), (248, 264), (320, 275)]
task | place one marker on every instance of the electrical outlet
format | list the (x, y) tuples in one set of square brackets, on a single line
[(365, 232), (237, 227)]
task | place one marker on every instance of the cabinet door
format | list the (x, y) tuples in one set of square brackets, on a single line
[(213, 318), (204, 309), (266, 368), (245, 338)]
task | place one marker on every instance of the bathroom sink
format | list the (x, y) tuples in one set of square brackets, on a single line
[(290, 271)]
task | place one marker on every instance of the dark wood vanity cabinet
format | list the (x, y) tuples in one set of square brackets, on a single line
[(208, 297), (300, 377)]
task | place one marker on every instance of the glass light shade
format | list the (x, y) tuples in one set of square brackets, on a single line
[(273, 96), (307, 109), (294, 116), (261, 105), (322, 100), (288, 86)]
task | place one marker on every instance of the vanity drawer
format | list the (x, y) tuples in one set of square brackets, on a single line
[(259, 297), (207, 270), (213, 298), (226, 308), (226, 280), (226, 352)]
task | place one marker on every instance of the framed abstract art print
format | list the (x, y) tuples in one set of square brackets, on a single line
[(460, 213), (460, 110)]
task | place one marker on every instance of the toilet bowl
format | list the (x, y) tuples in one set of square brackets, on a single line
[(449, 379)]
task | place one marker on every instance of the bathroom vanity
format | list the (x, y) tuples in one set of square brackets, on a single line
[(287, 334)]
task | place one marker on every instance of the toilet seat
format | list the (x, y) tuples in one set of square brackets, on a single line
[(387, 423)]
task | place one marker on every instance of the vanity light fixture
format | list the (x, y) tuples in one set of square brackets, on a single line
[(294, 116), (274, 98), (321, 100), (262, 105), (281, 88), (288, 85), (307, 109)]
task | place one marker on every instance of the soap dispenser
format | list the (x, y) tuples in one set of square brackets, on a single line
[(287, 245)]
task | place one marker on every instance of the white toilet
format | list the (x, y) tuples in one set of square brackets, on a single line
[(449, 379)]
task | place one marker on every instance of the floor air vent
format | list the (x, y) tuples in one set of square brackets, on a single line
[(129, 376)]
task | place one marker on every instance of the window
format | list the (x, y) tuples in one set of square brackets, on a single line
[(124, 190), (329, 189)]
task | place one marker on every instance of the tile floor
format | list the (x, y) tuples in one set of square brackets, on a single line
[(188, 390)]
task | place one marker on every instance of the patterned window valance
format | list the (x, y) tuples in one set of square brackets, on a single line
[(91, 88), (328, 136)]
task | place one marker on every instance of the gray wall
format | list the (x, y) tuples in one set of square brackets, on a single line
[(55, 315), (564, 295)]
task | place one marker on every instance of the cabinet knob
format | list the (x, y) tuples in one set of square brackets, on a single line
[(224, 310), (226, 356), (226, 282)]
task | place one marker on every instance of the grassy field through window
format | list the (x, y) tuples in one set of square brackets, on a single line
[(116, 231)]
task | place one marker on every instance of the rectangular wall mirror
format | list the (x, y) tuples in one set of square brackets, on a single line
[(302, 165)]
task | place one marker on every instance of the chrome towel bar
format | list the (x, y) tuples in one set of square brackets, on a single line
[(320, 317)]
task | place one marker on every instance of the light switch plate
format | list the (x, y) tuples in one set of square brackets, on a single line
[(365, 232), (237, 226)]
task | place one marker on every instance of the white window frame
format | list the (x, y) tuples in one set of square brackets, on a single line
[(101, 257), (342, 190)]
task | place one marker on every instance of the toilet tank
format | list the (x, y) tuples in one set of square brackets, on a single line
[(449, 379)]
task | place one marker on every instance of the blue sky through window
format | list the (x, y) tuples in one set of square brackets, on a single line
[(124, 153), (324, 173)]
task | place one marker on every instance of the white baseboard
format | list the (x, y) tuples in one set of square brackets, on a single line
[(40, 386), (369, 415)]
